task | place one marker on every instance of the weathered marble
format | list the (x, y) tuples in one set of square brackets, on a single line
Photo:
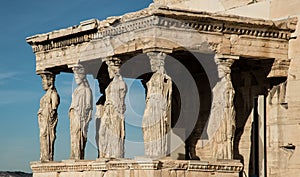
[(220, 128), (47, 117), (112, 128), (157, 114), (223, 145), (80, 113)]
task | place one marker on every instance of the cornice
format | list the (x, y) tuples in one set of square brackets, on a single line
[(171, 19)]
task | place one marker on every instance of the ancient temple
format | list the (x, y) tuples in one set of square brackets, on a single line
[(215, 93)]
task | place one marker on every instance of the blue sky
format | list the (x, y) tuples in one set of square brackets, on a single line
[(20, 87)]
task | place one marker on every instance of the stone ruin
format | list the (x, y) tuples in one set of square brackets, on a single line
[(234, 62)]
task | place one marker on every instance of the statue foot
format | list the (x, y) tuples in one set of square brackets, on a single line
[(44, 160), (195, 157)]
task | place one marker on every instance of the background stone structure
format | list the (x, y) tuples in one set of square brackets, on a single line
[(283, 114)]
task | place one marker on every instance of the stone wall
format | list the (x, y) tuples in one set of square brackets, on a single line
[(287, 162)]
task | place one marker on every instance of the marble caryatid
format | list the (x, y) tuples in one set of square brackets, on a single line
[(157, 115), (112, 129), (223, 110), (80, 113), (103, 81), (47, 117)]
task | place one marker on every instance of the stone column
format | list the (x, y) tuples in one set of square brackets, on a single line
[(47, 117), (223, 94), (157, 115), (80, 113), (111, 114)]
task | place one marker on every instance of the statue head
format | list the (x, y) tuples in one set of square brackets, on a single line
[(157, 61), (223, 67), (47, 80), (79, 74), (222, 71), (113, 67)]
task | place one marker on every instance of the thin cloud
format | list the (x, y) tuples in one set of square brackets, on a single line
[(7, 75), (17, 96)]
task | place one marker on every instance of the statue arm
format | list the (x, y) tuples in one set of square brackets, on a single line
[(55, 100), (39, 113), (169, 103), (89, 104), (89, 99), (123, 95), (86, 109)]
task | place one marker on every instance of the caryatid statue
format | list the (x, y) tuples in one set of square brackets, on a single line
[(80, 113), (157, 115), (112, 129), (47, 117), (223, 111)]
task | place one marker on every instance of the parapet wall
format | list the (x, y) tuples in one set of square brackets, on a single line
[(136, 168)]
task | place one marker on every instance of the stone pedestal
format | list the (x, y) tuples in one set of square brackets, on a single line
[(136, 168), (177, 143)]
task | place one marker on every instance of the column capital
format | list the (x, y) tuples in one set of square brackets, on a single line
[(225, 60), (164, 50), (225, 57), (113, 61), (79, 70), (157, 61), (114, 64), (44, 72), (156, 55), (75, 64)]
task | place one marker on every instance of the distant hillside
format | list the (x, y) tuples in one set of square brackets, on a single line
[(14, 174)]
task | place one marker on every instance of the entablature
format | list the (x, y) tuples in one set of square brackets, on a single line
[(165, 28)]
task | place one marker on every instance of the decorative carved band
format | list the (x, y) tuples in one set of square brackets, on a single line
[(159, 21), (128, 27), (111, 31), (229, 166), (63, 43), (196, 166)]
